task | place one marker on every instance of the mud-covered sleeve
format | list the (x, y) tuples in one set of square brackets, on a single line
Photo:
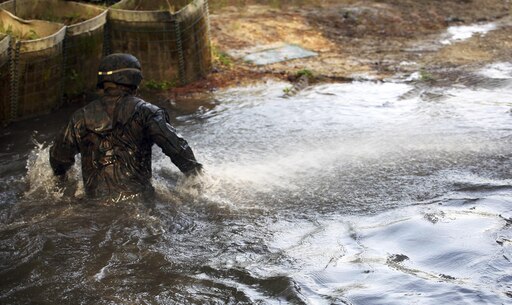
[(63, 150), (165, 136)]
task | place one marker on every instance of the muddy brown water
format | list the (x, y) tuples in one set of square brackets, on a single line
[(355, 193)]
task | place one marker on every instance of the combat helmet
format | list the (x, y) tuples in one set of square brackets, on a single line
[(120, 68)]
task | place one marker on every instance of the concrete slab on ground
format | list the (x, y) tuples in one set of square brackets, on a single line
[(271, 53)]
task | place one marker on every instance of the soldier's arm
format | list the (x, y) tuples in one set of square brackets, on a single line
[(164, 135), (63, 150)]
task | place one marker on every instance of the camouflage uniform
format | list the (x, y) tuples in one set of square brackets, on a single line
[(114, 136)]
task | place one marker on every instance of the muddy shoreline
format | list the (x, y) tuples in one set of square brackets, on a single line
[(356, 40)]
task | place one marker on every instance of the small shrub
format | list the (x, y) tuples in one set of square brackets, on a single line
[(426, 76), (308, 73), (164, 85), (221, 57)]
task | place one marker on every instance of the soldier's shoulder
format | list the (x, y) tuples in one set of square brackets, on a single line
[(91, 108), (136, 107), (136, 103), (148, 107), (94, 105), (81, 112)]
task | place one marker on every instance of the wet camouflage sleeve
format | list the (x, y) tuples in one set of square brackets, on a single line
[(64, 149), (164, 135)]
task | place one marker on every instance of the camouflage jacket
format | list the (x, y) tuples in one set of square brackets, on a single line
[(114, 136)]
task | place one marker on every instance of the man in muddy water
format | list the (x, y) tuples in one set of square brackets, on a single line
[(114, 136)]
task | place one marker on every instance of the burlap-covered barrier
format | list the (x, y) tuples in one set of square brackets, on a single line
[(5, 79), (170, 38), (83, 46), (9, 5), (36, 64), (195, 40)]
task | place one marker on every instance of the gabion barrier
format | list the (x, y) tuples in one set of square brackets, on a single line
[(83, 45), (170, 38), (195, 40), (41, 62), (8, 5), (36, 64), (5, 79)]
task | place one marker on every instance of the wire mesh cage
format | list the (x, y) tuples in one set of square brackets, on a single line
[(36, 64), (170, 38), (43, 61), (195, 40), (83, 45), (5, 79), (9, 5)]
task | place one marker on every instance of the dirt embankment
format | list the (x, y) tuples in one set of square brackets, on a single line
[(369, 39)]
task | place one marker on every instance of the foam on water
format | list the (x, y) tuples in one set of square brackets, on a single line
[(463, 32), (502, 70), (262, 143)]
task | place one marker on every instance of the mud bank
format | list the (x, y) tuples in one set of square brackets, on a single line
[(360, 39)]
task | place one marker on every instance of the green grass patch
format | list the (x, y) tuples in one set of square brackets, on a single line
[(426, 76), (305, 72), (155, 85), (221, 57)]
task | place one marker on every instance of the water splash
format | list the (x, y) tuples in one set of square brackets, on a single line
[(343, 134), (43, 184)]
